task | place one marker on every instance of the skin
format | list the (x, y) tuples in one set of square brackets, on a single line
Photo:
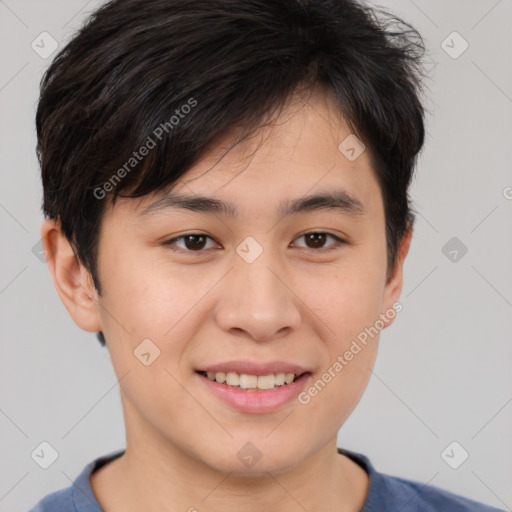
[(294, 303)]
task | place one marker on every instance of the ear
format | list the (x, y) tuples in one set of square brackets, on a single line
[(393, 287), (71, 279)]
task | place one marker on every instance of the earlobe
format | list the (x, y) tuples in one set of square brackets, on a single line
[(71, 279), (394, 285)]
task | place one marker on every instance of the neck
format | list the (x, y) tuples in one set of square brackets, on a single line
[(155, 475)]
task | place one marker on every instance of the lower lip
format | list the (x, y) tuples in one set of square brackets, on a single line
[(256, 401)]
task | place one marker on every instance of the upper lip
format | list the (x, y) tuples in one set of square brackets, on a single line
[(253, 368)]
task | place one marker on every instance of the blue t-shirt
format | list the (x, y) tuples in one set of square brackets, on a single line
[(385, 494)]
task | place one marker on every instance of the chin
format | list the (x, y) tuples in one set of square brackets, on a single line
[(252, 459), (259, 469)]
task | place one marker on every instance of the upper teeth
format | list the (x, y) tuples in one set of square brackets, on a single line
[(246, 381)]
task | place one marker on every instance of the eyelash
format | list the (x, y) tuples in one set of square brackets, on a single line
[(338, 242)]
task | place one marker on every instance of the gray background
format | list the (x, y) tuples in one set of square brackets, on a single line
[(444, 368)]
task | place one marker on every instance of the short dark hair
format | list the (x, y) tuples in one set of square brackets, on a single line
[(136, 64)]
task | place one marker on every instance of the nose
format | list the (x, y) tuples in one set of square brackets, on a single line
[(258, 300)]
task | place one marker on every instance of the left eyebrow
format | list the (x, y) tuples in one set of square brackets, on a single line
[(339, 200)]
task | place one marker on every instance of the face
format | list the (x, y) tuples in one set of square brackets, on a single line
[(259, 290)]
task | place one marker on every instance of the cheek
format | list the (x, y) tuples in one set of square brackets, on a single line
[(349, 304), (143, 291), (348, 297), (350, 308), (153, 299)]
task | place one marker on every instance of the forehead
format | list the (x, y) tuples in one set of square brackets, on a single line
[(308, 151)]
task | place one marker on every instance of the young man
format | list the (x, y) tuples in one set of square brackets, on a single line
[(225, 191)]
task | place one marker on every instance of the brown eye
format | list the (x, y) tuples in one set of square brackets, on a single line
[(197, 242), (194, 242), (316, 240)]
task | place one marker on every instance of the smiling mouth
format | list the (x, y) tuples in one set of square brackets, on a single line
[(249, 382)]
